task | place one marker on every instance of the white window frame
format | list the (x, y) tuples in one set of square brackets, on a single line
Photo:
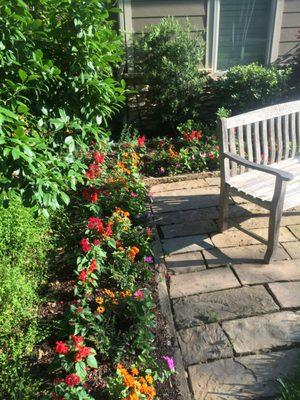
[(212, 33)]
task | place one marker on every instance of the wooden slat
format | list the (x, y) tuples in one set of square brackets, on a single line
[(286, 136), (257, 154), (249, 142), (271, 124), (265, 142), (293, 135), (232, 147), (279, 138), (259, 115), (241, 145), (298, 130)]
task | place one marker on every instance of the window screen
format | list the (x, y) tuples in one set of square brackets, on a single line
[(243, 32)]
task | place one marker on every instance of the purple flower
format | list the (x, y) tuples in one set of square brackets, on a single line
[(148, 259), (149, 214), (161, 170), (170, 362)]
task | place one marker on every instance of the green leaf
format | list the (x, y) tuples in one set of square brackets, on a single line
[(65, 197), (80, 370), (16, 153), (22, 109), (22, 75), (92, 362), (69, 140)]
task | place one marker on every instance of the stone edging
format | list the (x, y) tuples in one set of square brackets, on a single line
[(166, 310), (150, 181)]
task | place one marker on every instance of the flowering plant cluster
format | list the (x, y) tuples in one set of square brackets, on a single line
[(194, 149), (111, 318)]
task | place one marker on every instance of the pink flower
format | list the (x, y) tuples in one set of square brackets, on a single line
[(170, 362), (148, 259), (85, 245), (139, 294), (132, 194)]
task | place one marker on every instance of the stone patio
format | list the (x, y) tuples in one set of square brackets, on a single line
[(236, 320)]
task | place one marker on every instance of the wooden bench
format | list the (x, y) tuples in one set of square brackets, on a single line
[(260, 161)]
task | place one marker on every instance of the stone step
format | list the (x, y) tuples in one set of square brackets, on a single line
[(186, 262), (202, 282), (244, 254), (263, 332), (189, 228), (223, 305), (249, 377), (264, 273), (203, 343), (286, 293), (186, 244)]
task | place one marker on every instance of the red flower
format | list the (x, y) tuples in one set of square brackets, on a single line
[(98, 157), (82, 353), (141, 141), (91, 194), (61, 348), (85, 245), (72, 380), (96, 242), (83, 275), (93, 266), (77, 339), (97, 224), (108, 230), (211, 156), (93, 171)]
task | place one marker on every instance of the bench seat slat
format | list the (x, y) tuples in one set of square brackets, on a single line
[(261, 185)]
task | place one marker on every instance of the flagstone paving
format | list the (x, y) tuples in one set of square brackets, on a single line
[(237, 320)]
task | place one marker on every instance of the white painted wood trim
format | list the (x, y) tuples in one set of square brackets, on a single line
[(215, 41), (209, 37), (275, 30), (125, 20)]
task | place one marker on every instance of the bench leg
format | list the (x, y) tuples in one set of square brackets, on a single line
[(223, 216), (274, 222)]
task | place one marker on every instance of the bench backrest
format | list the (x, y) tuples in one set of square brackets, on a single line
[(265, 136)]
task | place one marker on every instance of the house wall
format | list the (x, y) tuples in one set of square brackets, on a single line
[(289, 29), (145, 12), (140, 13)]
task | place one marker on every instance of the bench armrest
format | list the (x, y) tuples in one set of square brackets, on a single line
[(284, 175)]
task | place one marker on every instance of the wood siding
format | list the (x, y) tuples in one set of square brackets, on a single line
[(289, 30), (150, 12)]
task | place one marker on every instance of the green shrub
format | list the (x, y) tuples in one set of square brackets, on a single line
[(168, 57), (24, 244), (246, 87)]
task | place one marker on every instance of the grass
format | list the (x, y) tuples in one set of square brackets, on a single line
[(290, 387)]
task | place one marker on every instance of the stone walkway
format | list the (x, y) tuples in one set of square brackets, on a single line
[(237, 321)]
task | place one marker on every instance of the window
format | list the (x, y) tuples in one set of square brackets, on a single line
[(242, 31)]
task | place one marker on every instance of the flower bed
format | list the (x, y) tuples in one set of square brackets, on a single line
[(193, 149), (108, 349)]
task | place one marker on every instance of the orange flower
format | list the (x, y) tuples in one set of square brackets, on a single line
[(108, 293), (101, 309), (134, 371), (133, 252), (128, 380), (172, 153), (127, 293)]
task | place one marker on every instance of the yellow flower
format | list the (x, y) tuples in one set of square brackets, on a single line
[(134, 371), (99, 300), (149, 379)]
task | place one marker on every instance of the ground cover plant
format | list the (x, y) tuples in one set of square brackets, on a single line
[(25, 242)]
